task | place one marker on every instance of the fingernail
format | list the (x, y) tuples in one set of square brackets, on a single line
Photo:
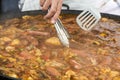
[(53, 21), (41, 7)]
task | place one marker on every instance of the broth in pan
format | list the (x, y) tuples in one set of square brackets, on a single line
[(31, 50)]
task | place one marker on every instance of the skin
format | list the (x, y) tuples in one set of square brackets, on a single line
[(54, 11)]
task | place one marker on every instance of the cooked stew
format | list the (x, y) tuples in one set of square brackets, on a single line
[(31, 50)]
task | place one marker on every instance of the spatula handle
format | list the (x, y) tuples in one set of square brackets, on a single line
[(104, 2), (118, 2)]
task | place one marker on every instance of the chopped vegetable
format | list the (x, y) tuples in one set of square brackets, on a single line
[(15, 42), (53, 41), (10, 48)]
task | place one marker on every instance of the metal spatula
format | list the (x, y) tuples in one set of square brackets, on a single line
[(90, 17), (62, 33)]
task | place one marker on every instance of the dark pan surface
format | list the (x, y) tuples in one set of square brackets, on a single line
[(3, 77), (20, 14)]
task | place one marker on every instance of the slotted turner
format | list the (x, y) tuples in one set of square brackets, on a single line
[(89, 17)]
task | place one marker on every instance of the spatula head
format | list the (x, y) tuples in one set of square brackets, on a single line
[(88, 18)]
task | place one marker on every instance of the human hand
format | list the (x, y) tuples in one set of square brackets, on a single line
[(55, 9)]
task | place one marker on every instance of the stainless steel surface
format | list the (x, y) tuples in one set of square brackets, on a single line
[(62, 26), (62, 33), (90, 16)]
